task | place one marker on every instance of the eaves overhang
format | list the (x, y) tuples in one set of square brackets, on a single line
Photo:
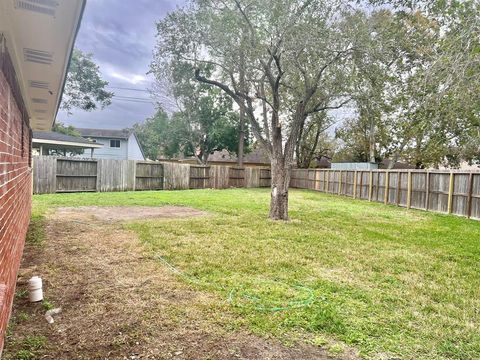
[(40, 36)]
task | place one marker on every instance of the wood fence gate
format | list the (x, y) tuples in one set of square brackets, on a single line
[(76, 175), (236, 177), (148, 176), (199, 177)]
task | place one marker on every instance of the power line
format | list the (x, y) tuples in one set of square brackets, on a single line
[(131, 97), (136, 101), (126, 88), (139, 100)]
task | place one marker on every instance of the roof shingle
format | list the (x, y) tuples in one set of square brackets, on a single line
[(105, 133)]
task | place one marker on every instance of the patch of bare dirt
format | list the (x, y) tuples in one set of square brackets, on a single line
[(119, 303), (123, 213)]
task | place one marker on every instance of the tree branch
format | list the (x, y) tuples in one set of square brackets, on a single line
[(319, 106), (218, 84)]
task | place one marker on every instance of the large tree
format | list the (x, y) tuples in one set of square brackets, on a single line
[(395, 49), (281, 61), (84, 88), (416, 84), (203, 120), (151, 134), (435, 118)]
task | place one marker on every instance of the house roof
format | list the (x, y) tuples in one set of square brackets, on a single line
[(105, 133), (55, 138), (39, 37), (256, 156), (385, 163), (322, 162)]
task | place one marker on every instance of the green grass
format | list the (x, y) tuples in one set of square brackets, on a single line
[(36, 229), (386, 281), (30, 347)]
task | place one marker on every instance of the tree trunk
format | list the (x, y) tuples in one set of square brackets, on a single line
[(371, 142), (279, 197), (393, 160), (241, 137)]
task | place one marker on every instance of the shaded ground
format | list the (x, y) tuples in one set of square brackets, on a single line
[(118, 303)]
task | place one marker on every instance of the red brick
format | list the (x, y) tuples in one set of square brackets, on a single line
[(15, 198)]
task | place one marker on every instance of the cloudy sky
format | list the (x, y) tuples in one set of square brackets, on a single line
[(121, 36)]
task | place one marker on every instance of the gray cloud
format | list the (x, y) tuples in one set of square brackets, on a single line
[(121, 35)]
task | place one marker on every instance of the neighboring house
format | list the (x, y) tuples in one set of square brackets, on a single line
[(384, 165), (117, 144), (256, 157), (54, 143), (36, 42), (353, 166)]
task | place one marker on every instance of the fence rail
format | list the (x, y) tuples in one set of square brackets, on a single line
[(451, 192), (55, 175)]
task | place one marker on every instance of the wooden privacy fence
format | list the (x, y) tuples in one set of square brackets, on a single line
[(455, 192), (56, 175), (452, 192)]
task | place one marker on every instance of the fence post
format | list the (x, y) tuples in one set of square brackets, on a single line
[(340, 183), (370, 186), (355, 184), (469, 195), (427, 191), (378, 186), (397, 196), (409, 190), (450, 192), (328, 179), (135, 176), (361, 183), (324, 181), (387, 181)]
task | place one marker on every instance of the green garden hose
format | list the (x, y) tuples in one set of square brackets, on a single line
[(236, 296)]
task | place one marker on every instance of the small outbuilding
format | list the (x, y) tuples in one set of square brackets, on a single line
[(54, 143), (354, 166)]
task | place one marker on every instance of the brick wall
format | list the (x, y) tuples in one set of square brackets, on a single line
[(15, 193)]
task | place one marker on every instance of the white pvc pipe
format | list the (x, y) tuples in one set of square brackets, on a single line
[(35, 292)]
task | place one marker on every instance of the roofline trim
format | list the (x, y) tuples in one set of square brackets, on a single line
[(67, 63), (106, 137), (57, 142)]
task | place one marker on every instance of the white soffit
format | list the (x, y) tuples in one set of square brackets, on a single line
[(40, 36)]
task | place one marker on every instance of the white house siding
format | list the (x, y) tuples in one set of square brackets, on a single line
[(107, 152), (133, 149)]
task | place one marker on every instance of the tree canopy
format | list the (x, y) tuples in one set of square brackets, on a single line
[(421, 103), (204, 119), (84, 87)]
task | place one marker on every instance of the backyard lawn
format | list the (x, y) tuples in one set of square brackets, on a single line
[(347, 275)]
